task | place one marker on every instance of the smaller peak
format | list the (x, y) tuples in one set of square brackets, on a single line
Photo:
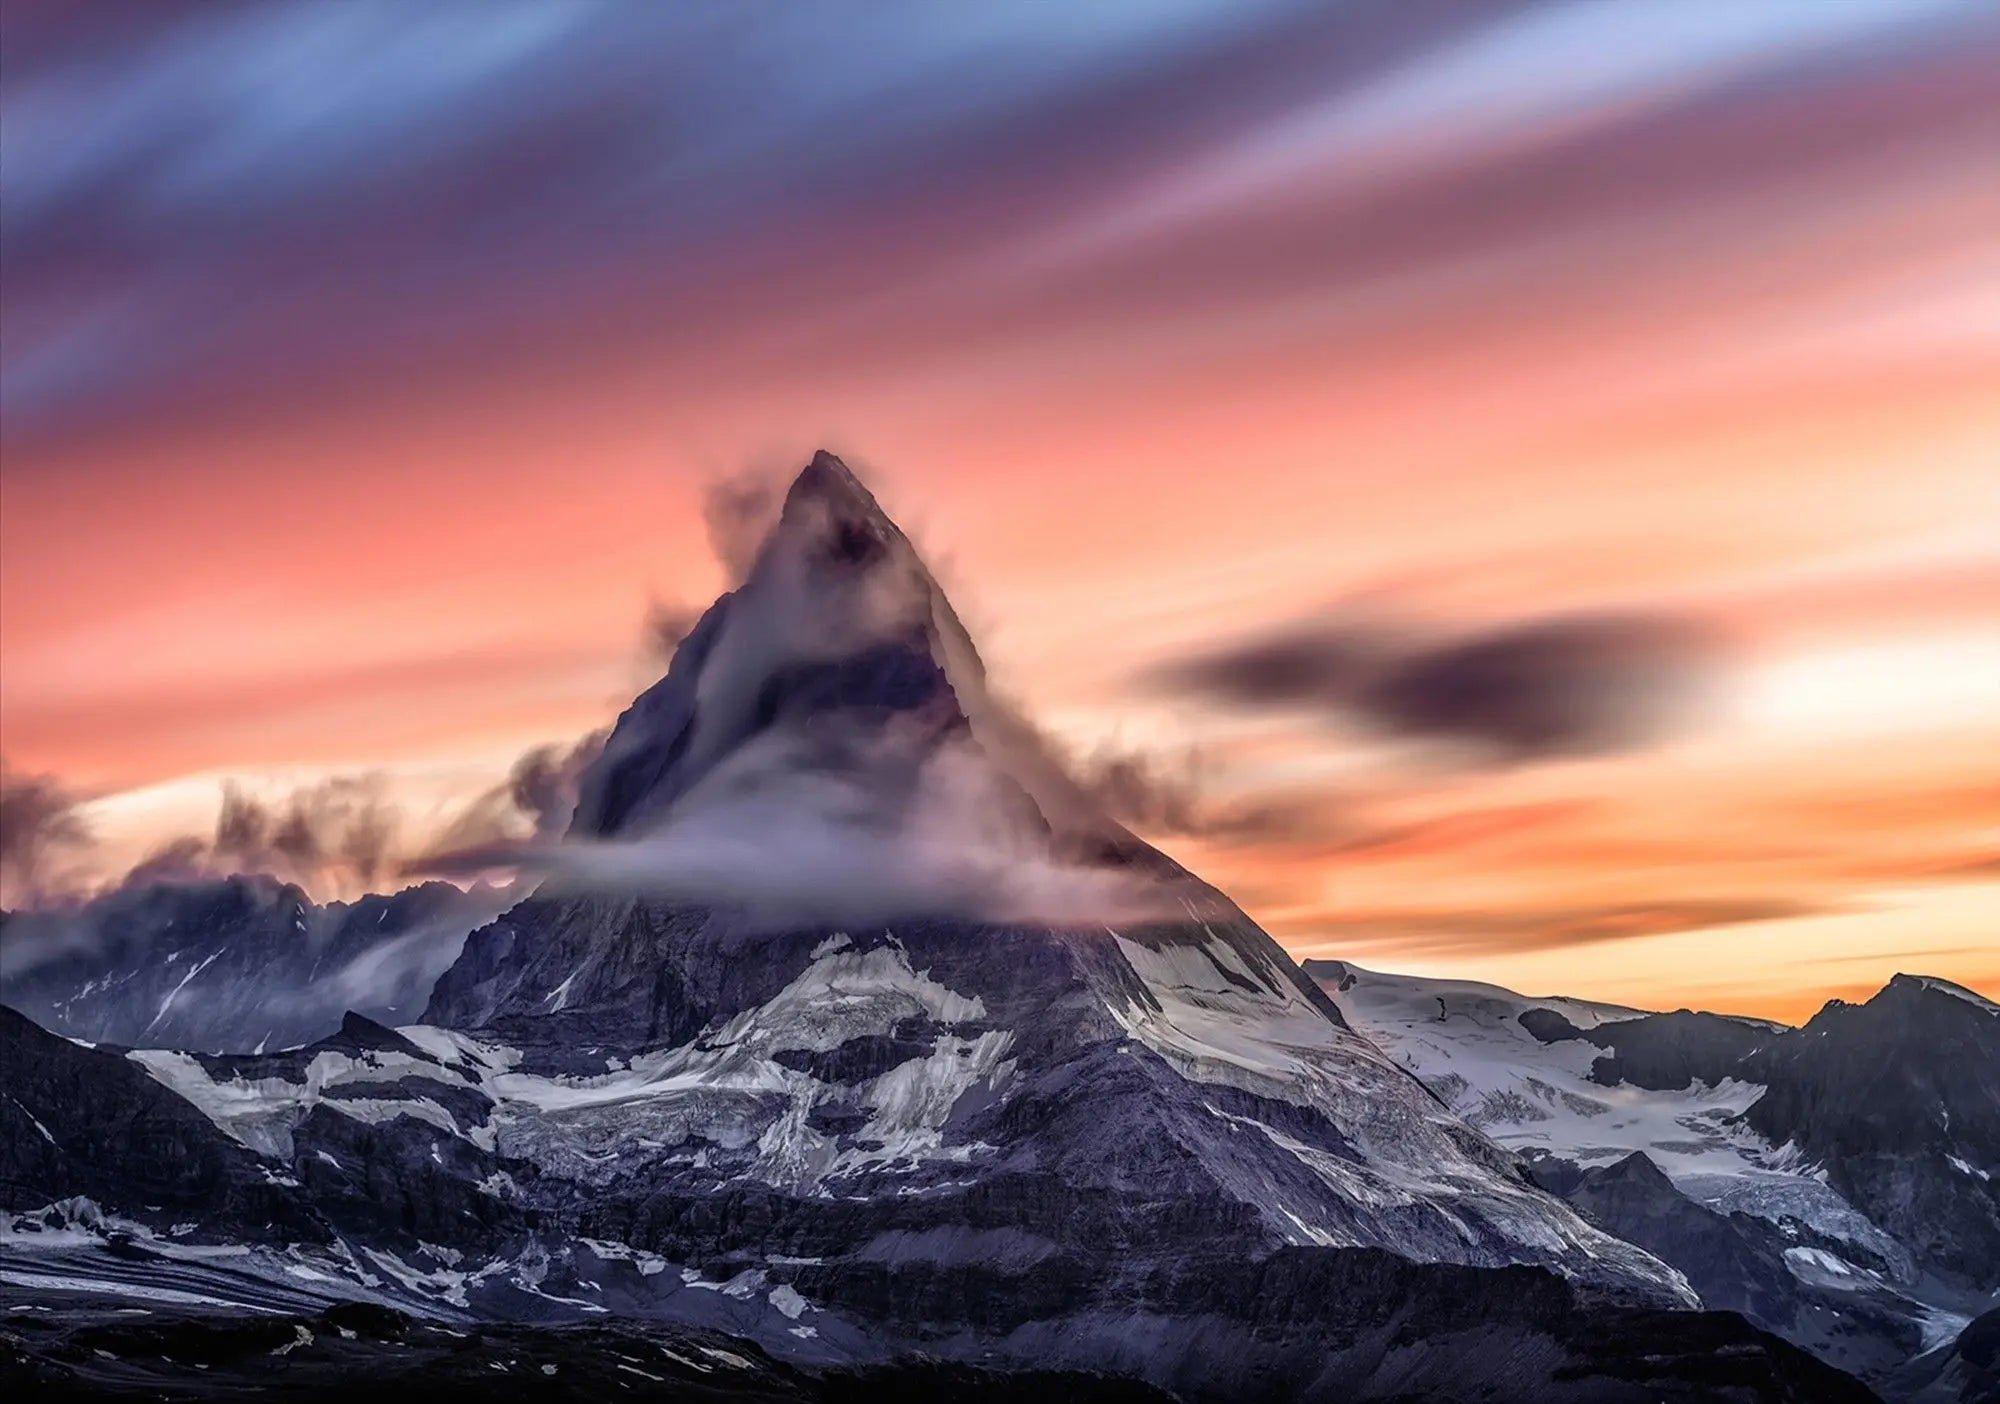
[(1636, 1168), (358, 1031), (1934, 984)]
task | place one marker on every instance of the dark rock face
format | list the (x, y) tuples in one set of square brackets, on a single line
[(88, 1122), (1966, 1372), (231, 964), (1301, 1324), (1900, 1099), (1143, 1276), (1734, 1261), (1660, 1051), (1737, 1262)]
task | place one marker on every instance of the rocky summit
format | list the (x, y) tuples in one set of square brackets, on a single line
[(845, 1027)]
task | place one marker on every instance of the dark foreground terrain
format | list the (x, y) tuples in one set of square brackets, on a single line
[(362, 1351), (56, 1345)]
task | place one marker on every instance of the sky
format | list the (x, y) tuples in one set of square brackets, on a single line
[(364, 372)]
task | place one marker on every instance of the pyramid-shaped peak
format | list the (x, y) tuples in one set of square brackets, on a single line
[(831, 519), (827, 479), (838, 640)]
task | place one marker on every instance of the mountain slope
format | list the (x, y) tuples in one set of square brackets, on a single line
[(1733, 1148), (122, 1138), (1899, 1098), (231, 963)]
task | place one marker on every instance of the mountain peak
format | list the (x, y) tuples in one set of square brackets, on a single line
[(833, 530), (828, 479), (1933, 984), (837, 654), (1638, 1168)]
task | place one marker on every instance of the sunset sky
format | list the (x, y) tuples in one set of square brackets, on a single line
[(363, 369)]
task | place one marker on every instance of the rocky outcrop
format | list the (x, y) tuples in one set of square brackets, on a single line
[(1965, 1372), (1660, 1051), (1899, 1099), (87, 1122), (1738, 1262)]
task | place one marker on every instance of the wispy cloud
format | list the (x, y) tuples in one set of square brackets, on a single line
[(1433, 932), (1518, 692)]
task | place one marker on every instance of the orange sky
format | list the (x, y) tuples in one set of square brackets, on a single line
[(1407, 324)]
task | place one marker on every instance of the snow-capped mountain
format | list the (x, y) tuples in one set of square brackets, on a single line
[(1834, 1183), (844, 1023), (909, 1049), (231, 963)]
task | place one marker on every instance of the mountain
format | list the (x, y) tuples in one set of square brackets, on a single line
[(231, 963), (844, 1024), (1899, 1100), (122, 1137), (1831, 1182)]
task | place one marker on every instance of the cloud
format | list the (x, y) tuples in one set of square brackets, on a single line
[(39, 825), (1177, 794), (1536, 690), (340, 831), (739, 510), (147, 154), (1484, 931), (782, 839), (531, 806), (1456, 831), (665, 627), (543, 782), (1151, 793), (184, 859), (341, 834)]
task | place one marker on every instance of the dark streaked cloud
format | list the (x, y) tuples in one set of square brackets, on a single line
[(543, 783), (1556, 687), (1175, 794), (39, 823), (1575, 685), (189, 185), (342, 830), (533, 804), (379, 166)]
